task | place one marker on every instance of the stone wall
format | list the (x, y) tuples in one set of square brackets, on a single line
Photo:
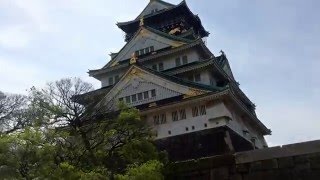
[(295, 161)]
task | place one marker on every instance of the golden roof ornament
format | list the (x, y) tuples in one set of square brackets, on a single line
[(133, 59), (141, 21)]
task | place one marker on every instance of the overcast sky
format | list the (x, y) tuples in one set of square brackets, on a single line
[(273, 47)]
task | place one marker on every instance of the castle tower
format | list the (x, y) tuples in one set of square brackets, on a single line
[(188, 95)]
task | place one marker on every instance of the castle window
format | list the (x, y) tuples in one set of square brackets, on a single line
[(153, 11), (156, 120), (203, 110), (147, 50), (178, 63), (110, 80), (144, 51), (174, 116), (140, 96), (184, 59), (182, 114), (161, 66), (154, 67), (195, 111), (197, 78), (146, 95), (141, 52), (187, 129), (192, 127), (153, 93), (163, 119), (116, 78), (134, 98), (128, 99)]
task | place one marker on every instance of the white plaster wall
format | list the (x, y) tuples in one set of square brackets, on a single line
[(142, 41), (105, 78), (215, 117), (170, 61), (238, 124)]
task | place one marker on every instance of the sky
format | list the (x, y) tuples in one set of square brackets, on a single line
[(273, 47)]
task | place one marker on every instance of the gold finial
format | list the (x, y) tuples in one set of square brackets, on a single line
[(133, 59), (141, 21)]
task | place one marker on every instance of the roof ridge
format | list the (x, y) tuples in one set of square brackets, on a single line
[(150, 15)]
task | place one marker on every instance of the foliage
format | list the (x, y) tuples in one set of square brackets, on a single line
[(150, 170), (61, 140)]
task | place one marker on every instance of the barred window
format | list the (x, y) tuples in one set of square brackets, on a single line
[(163, 118), (174, 116), (147, 50), (184, 59), (178, 63), (116, 78), (153, 93), (146, 95), (134, 98), (141, 52), (156, 120), (203, 110), (197, 78), (127, 99), (195, 111), (154, 67), (160, 66), (110, 80), (182, 114)]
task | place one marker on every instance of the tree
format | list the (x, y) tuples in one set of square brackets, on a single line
[(78, 144), (12, 112)]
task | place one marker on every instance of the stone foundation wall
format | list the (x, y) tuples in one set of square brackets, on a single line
[(295, 161)]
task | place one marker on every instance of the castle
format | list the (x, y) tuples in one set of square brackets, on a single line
[(187, 94)]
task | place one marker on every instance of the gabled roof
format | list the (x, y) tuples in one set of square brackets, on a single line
[(154, 31), (183, 86)]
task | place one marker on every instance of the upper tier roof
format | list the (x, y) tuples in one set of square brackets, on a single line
[(181, 9), (157, 5)]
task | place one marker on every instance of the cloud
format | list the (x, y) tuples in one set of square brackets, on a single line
[(16, 36)]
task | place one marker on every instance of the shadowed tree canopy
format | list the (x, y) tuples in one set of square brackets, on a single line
[(58, 144)]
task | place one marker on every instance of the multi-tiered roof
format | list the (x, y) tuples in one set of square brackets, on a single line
[(160, 32)]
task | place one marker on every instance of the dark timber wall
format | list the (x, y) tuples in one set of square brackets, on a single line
[(295, 161)]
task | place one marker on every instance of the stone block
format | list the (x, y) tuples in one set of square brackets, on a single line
[(236, 177), (255, 166), (315, 162), (243, 168), (301, 159), (261, 175), (302, 166), (269, 164), (286, 162)]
